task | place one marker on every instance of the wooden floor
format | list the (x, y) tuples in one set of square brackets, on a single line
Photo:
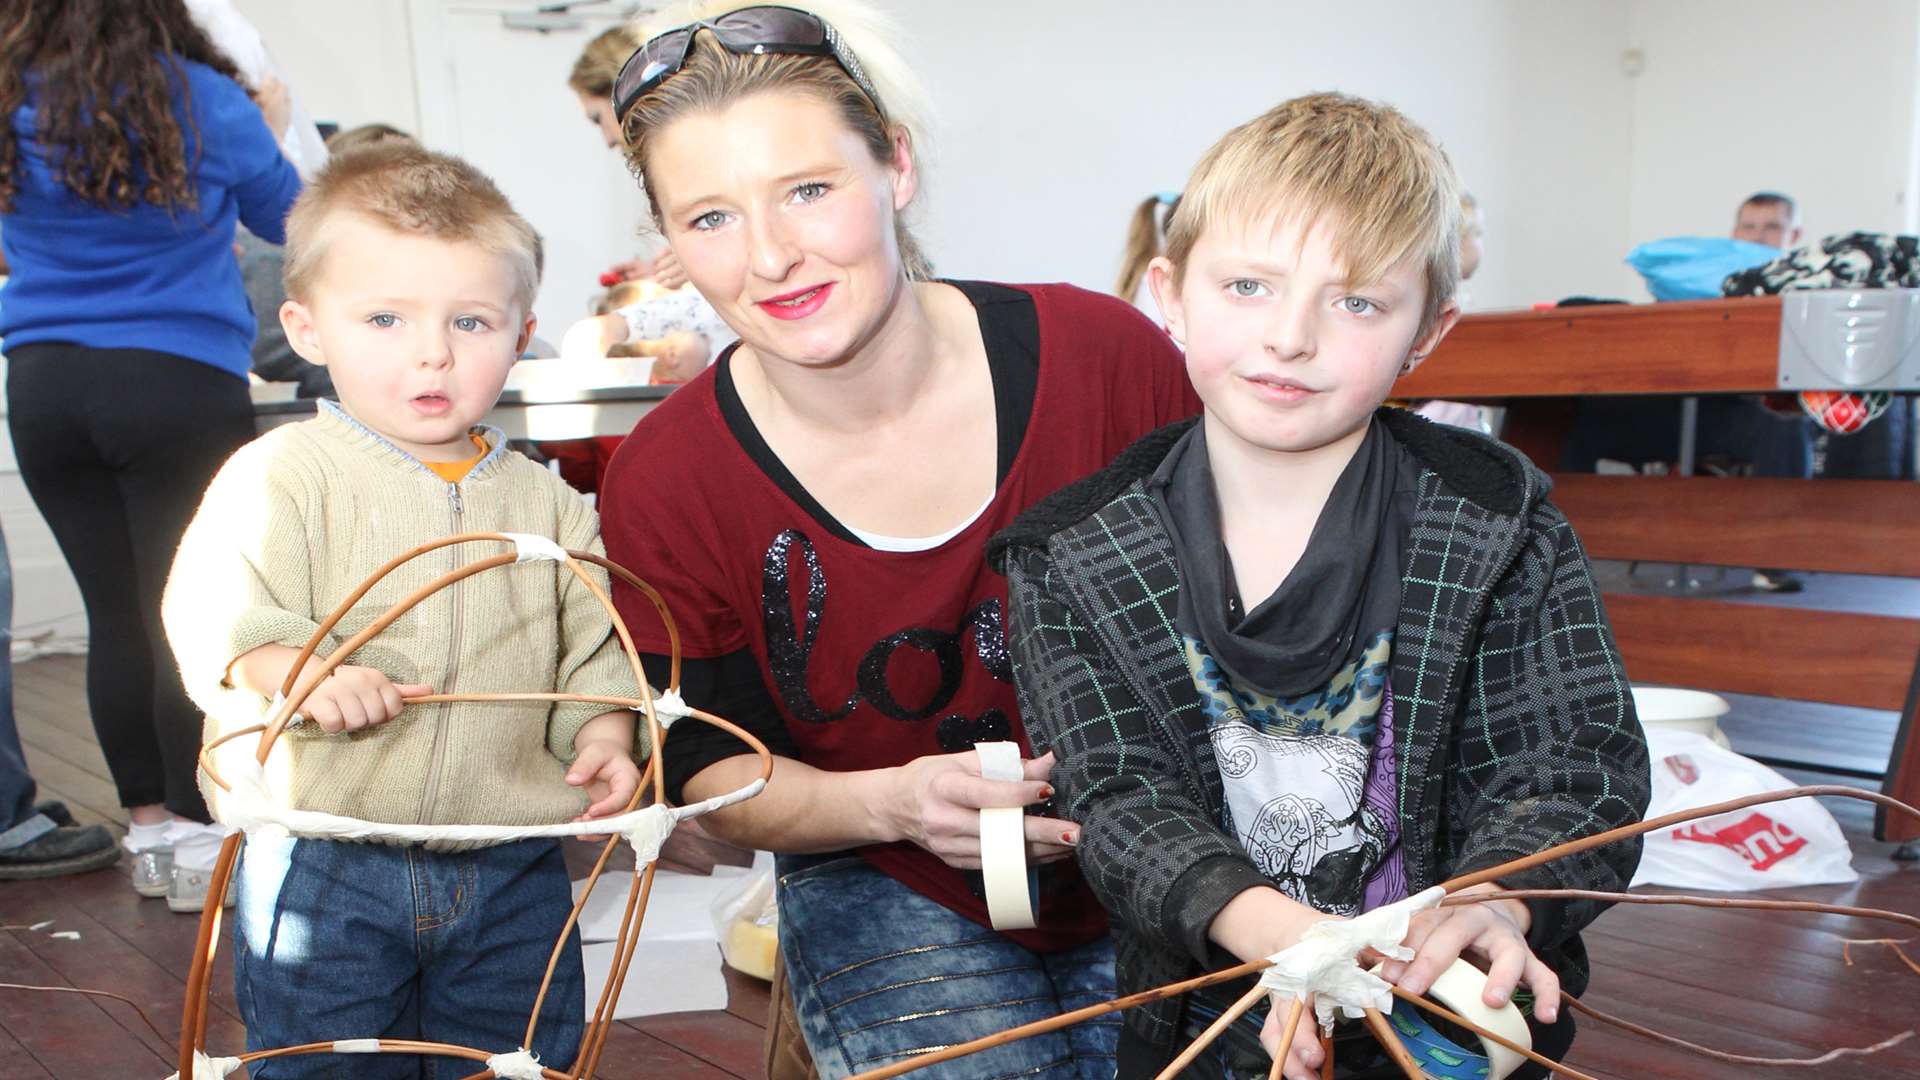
[(1759, 984)]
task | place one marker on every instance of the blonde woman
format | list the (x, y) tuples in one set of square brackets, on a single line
[(815, 508)]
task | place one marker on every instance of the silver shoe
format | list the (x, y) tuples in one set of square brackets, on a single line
[(152, 871), (187, 889)]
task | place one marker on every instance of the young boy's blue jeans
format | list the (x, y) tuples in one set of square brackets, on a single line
[(337, 940), (880, 973)]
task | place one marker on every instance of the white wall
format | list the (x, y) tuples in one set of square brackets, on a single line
[(1813, 100), (351, 61), (1060, 117), (1055, 119)]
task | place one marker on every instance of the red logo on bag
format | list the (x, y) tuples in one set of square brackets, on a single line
[(1759, 839), (1682, 767)]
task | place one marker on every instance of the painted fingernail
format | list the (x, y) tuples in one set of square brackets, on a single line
[(1046, 791), (1069, 838)]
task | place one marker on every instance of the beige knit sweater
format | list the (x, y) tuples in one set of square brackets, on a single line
[(297, 519)]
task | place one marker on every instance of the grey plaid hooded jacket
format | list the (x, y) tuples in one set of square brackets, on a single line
[(1513, 716)]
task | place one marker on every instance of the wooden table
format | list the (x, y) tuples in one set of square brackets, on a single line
[(1537, 362)]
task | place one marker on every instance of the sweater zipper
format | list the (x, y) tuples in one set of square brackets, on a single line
[(437, 762)]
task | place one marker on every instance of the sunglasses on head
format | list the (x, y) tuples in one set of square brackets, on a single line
[(750, 31)]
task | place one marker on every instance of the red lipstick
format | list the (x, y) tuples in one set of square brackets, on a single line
[(798, 304)]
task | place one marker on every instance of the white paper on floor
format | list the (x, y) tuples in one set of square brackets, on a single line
[(677, 966)]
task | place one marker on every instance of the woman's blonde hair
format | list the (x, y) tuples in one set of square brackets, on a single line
[(714, 78), (1145, 232), (1362, 168), (601, 60)]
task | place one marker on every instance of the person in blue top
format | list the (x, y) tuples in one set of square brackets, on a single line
[(128, 149)]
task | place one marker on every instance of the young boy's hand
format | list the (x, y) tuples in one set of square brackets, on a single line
[(1496, 934), (605, 767), (357, 697)]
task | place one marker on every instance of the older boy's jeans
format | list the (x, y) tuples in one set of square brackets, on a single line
[(879, 971), (338, 940)]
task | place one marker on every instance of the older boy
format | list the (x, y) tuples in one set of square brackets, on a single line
[(411, 280), (1308, 656)]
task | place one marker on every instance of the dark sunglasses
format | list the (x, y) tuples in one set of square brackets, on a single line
[(752, 31)]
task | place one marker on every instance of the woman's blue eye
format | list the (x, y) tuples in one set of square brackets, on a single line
[(712, 219), (1358, 305), (383, 320)]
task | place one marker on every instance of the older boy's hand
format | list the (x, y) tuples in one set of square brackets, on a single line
[(1495, 933), (1305, 1053), (606, 769), (355, 697)]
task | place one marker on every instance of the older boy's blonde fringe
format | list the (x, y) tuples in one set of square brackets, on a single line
[(1361, 168)]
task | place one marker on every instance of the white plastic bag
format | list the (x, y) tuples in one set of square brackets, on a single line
[(1762, 847), (748, 921)]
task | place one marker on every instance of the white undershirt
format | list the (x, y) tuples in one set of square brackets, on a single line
[(882, 542)]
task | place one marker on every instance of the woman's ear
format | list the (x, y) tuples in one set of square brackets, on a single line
[(905, 169)]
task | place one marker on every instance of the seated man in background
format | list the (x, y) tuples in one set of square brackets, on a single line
[(1735, 433), (1770, 218)]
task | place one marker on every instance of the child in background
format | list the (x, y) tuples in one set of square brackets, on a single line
[(1473, 232), (1146, 240), (411, 280), (1310, 656)]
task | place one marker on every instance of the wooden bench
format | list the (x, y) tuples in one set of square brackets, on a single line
[(1535, 361)]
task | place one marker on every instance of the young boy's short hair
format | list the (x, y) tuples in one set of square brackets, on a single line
[(1363, 168), (409, 189)]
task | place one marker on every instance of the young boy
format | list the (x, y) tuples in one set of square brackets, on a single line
[(412, 280), (1307, 656)]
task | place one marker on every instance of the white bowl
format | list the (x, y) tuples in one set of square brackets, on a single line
[(1686, 710)]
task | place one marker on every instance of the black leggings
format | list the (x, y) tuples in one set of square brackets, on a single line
[(117, 446)]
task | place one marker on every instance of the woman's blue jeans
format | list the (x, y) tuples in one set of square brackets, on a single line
[(880, 973)]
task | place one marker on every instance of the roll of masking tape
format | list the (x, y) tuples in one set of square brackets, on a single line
[(1459, 988), (1003, 844)]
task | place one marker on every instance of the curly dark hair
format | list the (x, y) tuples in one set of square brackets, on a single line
[(103, 75)]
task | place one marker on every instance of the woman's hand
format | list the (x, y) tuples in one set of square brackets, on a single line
[(1494, 933), (935, 802)]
